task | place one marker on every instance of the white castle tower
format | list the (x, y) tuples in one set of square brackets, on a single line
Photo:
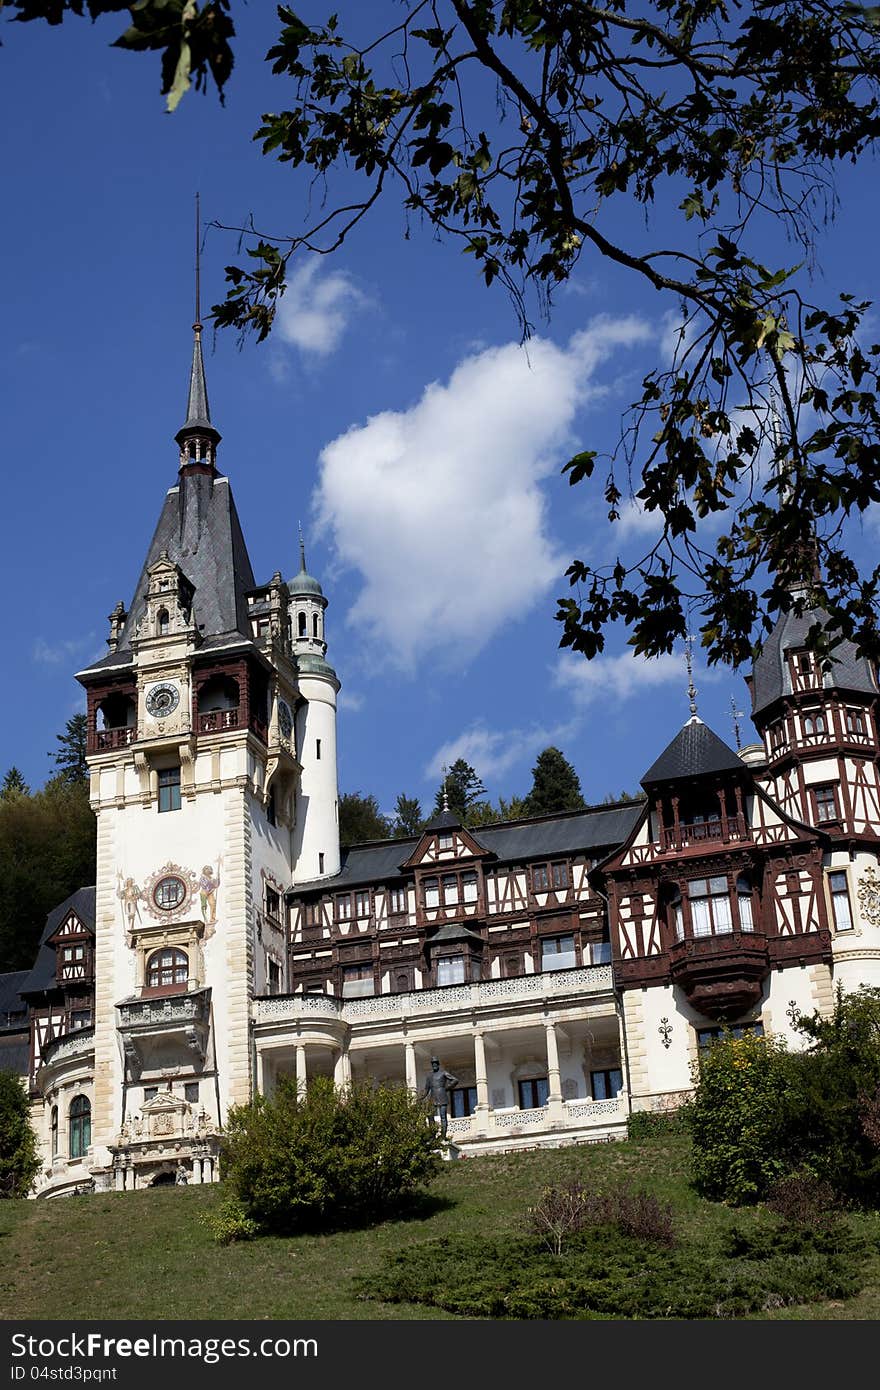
[(212, 758)]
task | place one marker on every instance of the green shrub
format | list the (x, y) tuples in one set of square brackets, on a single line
[(739, 1137), (19, 1159), (604, 1273), (230, 1222), (834, 1087), (655, 1124), (329, 1160), (760, 1114)]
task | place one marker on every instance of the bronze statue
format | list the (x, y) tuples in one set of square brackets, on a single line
[(438, 1084)]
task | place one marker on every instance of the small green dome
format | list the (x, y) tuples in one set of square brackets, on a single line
[(310, 664), (303, 585)]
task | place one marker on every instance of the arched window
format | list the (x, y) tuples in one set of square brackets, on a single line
[(162, 621), (301, 624), (166, 968), (80, 1120), (314, 625), (54, 1130)]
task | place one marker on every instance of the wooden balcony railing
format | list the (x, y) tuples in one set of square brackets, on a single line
[(107, 740)]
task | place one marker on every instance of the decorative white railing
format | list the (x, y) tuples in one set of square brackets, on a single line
[(592, 979), (70, 1045), (512, 1119), (587, 1109)]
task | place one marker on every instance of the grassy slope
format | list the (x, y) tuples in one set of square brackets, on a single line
[(149, 1254)]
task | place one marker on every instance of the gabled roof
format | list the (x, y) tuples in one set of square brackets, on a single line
[(199, 529), (42, 976), (514, 841), (694, 752), (771, 676)]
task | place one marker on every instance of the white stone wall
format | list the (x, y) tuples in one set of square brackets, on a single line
[(317, 812)]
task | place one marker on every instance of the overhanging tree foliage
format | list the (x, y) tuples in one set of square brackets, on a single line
[(519, 127)]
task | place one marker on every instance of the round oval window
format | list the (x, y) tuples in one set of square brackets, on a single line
[(169, 892)]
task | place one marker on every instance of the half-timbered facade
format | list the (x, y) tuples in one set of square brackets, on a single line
[(565, 969)]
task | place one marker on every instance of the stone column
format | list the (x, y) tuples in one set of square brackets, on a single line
[(412, 1078), (555, 1109), (261, 1073), (342, 1068), (301, 1077), (119, 1179), (482, 1115)]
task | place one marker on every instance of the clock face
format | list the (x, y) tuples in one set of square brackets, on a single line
[(285, 721), (169, 892), (162, 700)]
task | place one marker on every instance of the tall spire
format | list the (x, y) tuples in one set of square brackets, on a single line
[(197, 437), (692, 690)]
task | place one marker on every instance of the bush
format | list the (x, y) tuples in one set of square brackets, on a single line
[(19, 1160), (570, 1209), (760, 1114), (830, 1115), (605, 1273), (329, 1160), (739, 1141), (800, 1199), (230, 1222), (659, 1124)]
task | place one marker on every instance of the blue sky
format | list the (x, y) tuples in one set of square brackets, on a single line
[(391, 412)]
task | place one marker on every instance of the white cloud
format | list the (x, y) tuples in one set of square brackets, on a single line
[(46, 655), (618, 677), (316, 308), (492, 752), (440, 508), (635, 521), (349, 700)]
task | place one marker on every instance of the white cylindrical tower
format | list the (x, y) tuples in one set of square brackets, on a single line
[(316, 824)]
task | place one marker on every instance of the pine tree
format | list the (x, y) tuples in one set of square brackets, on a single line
[(555, 786), (14, 784), (70, 757), (408, 818), (360, 819), (463, 790)]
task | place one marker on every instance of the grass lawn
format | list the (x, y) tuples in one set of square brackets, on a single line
[(150, 1255)]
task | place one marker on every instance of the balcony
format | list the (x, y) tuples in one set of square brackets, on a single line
[(721, 975), (704, 832), (63, 1054), (420, 1003), (109, 740), (217, 721), (164, 1022)]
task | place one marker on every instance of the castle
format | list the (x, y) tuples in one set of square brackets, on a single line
[(566, 969)]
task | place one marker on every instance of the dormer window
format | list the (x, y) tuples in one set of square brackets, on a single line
[(163, 622), (444, 840)]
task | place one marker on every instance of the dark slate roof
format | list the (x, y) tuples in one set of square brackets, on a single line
[(198, 414), (454, 931), (200, 530), (11, 1003), (444, 820), (42, 976), (15, 1053), (599, 829), (693, 752), (771, 678)]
